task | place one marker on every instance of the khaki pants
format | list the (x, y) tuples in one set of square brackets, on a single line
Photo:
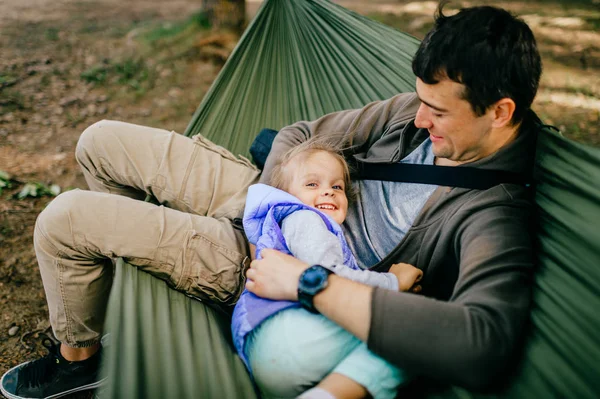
[(190, 242)]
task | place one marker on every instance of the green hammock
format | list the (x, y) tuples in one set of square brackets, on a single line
[(301, 59)]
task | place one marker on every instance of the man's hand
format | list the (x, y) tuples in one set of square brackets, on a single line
[(408, 276), (275, 276)]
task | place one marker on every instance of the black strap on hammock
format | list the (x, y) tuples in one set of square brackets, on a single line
[(449, 176)]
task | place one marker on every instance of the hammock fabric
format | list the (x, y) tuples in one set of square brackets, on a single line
[(301, 59)]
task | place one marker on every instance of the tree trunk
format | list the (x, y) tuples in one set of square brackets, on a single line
[(226, 14)]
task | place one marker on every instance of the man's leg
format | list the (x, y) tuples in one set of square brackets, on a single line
[(192, 175), (79, 232), (132, 160)]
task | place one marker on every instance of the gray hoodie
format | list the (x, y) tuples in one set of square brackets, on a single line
[(474, 247)]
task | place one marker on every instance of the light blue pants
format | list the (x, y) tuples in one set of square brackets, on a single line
[(294, 350)]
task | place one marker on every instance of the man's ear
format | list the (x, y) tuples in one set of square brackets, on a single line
[(503, 112)]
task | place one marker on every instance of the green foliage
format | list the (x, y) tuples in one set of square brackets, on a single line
[(96, 74), (6, 78), (11, 100), (132, 72), (92, 27), (5, 181), (160, 44), (36, 190), (201, 20), (594, 23), (164, 30), (198, 21), (52, 34), (45, 80), (31, 189)]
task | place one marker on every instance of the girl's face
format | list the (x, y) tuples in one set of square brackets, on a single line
[(318, 181)]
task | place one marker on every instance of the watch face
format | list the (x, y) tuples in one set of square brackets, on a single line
[(313, 280)]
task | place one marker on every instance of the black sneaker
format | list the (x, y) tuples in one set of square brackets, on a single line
[(51, 376)]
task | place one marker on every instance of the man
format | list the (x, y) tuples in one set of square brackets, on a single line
[(478, 73)]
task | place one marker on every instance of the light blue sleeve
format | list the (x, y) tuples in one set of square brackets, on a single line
[(309, 240)]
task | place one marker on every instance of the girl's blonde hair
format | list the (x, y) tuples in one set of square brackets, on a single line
[(280, 175)]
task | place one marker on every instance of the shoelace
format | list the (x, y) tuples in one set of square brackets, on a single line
[(40, 370)]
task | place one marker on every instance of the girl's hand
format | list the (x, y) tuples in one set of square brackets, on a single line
[(275, 276), (408, 277)]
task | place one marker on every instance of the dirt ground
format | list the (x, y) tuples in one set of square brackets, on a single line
[(68, 63)]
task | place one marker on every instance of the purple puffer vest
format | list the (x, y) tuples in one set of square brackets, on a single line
[(266, 207)]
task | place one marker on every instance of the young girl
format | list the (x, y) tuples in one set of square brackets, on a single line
[(288, 349)]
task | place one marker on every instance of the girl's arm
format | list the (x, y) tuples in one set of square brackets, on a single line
[(309, 240)]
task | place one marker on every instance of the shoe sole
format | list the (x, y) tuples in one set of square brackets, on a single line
[(57, 395)]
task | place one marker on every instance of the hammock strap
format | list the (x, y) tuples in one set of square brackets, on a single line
[(450, 176)]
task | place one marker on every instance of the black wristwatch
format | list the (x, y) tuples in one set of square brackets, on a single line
[(312, 281)]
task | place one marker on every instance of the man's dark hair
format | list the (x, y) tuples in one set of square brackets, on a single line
[(490, 51)]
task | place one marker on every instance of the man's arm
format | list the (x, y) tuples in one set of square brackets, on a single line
[(346, 302), (470, 339), (467, 341), (351, 129)]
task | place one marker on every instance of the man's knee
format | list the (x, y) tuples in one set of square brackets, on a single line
[(86, 145), (56, 217)]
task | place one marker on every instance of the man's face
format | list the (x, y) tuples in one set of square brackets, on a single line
[(318, 181), (457, 133)]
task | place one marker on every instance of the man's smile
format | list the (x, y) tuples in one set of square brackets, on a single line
[(435, 138)]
